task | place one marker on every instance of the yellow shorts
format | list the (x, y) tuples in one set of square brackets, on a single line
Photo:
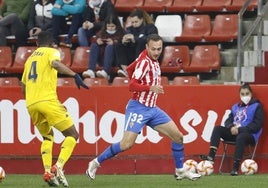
[(48, 114)]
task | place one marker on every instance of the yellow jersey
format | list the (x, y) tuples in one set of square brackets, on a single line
[(39, 77)]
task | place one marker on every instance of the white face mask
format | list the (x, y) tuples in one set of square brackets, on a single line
[(245, 99), (111, 32)]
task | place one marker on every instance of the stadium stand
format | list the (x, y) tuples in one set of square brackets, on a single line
[(5, 58), (156, 5), (120, 81), (184, 6), (169, 27), (164, 80), (205, 58), (195, 27), (96, 82), (128, 6), (225, 28), (66, 56), (214, 6), (186, 80), (175, 57), (9, 81), (22, 53), (80, 59), (66, 81), (237, 5)]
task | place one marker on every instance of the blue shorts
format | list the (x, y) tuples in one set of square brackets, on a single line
[(138, 115)]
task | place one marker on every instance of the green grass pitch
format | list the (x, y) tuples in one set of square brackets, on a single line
[(140, 181)]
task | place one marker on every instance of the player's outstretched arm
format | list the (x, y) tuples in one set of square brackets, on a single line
[(63, 69)]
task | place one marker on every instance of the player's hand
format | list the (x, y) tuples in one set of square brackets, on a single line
[(157, 89), (79, 82)]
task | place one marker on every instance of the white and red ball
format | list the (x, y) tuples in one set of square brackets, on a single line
[(249, 167), (2, 174), (205, 168), (190, 165)]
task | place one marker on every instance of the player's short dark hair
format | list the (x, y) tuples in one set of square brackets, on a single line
[(153, 37), (45, 38)]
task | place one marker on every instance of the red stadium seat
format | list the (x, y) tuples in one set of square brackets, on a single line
[(175, 58), (225, 28), (96, 82), (184, 6), (9, 81), (195, 28), (80, 59), (120, 81), (214, 5), (66, 81), (164, 80), (66, 56), (205, 58), (156, 5), (22, 53), (186, 80), (5, 58), (127, 5), (237, 5)]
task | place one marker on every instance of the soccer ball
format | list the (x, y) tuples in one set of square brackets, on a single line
[(2, 174), (249, 167), (205, 168), (190, 165)]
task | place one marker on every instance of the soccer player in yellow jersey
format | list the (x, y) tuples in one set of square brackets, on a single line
[(39, 82)]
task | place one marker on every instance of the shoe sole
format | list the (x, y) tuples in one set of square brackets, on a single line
[(87, 173)]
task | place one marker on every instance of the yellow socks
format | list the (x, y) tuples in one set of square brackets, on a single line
[(46, 153)]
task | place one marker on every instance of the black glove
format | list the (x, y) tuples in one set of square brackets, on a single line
[(79, 82)]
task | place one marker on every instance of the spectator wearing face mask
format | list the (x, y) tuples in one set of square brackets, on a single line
[(67, 9), (95, 13), (133, 42), (103, 50), (243, 126)]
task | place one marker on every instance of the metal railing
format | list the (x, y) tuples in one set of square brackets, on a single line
[(242, 40)]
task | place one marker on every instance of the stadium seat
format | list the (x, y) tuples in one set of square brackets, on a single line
[(66, 81), (5, 58), (225, 28), (22, 53), (205, 58), (164, 80), (66, 56), (175, 58), (96, 82), (9, 81), (237, 5), (184, 6), (128, 6), (169, 27), (251, 153), (156, 5), (186, 80), (214, 6), (120, 81), (80, 59), (195, 27)]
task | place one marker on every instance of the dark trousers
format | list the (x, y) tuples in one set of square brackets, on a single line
[(242, 140), (13, 25), (96, 56), (59, 26)]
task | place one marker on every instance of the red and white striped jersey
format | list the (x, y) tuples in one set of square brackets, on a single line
[(148, 73)]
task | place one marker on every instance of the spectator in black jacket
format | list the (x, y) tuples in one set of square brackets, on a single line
[(40, 17), (133, 42), (94, 16)]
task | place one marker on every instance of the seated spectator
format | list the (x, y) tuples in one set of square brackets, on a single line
[(133, 42), (40, 18), (13, 21), (94, 16), (103, 50), (243, 126), (66, 9)]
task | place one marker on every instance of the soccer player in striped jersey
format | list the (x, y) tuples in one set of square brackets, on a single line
[(39, 82), (142, 110)]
